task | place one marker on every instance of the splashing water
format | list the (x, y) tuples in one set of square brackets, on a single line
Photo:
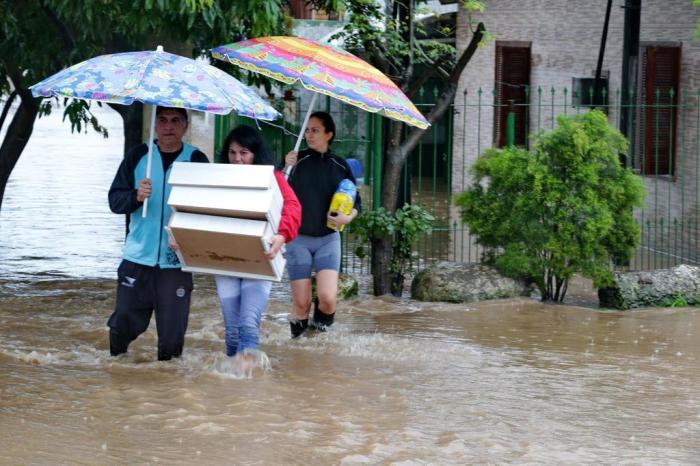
[(393, 381)]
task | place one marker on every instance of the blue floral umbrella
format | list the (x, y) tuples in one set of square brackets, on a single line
[(156, 78)]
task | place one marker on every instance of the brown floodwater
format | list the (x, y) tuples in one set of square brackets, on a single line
[(395, 382)]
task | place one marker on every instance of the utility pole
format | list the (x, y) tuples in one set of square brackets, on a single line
[(630, 65), (597, 95)]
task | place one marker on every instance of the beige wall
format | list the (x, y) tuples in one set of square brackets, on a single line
[(201, 132)]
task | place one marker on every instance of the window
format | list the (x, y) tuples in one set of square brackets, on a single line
[(583, 93), (659, 89), (512, 82)]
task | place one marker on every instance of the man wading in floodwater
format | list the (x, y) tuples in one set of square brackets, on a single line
[(149, 277)]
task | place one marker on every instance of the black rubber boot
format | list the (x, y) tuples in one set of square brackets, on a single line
[(321, 321), (298, 327)]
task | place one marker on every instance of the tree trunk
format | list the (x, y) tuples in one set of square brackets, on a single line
[(132, 115), (6, 108), (393, 166), (381, 256), (17, 136), (396, 155)]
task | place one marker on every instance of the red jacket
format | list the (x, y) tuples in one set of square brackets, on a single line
[(291, 210)]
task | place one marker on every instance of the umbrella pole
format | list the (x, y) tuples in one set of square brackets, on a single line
[(150, 156), (303, 128)]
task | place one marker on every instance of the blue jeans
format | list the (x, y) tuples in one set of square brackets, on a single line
[(243, 301)]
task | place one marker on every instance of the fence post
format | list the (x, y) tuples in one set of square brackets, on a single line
[(377, 163), (510, 124)]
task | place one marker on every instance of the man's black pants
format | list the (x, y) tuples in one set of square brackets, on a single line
[(140, 291)]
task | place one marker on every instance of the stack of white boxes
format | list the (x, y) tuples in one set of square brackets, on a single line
[(224, 216)]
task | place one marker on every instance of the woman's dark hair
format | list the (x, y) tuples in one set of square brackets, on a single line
[(251, 140), (327, 122)]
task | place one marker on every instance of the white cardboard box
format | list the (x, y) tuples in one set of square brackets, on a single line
[(241, 191), (225, 246)]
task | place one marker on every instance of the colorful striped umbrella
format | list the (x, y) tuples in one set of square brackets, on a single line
[(155, 78), (323, 69)]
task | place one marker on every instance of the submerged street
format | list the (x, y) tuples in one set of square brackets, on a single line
[(395, 382)]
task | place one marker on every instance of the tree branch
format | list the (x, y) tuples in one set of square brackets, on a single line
[(63, 32), (379, 58), (407, 17), (434, 65), (423, 78), (468, 53), (447, 96), (398, 151), (7, 106), (15, 77)]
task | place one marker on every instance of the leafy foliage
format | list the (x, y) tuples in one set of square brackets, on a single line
[(405, 226), (563, 207), (41, 38), (78, 112), (389, 36), (679, 301)]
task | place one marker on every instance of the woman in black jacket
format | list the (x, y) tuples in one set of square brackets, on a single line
[(314, 177)]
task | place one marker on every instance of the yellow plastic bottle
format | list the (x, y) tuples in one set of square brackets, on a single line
[(343, 200)]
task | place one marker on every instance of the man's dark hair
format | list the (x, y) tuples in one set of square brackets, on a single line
[(182, 111), (327, 121), (251, 140)]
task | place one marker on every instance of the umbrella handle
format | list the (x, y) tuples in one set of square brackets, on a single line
[(288, 170), (150, 157)]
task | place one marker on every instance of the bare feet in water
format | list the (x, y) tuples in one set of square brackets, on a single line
[(248, 362), (244, 363)]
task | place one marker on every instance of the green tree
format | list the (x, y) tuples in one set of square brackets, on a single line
[(387, 35), (563, 207), (39, 38)]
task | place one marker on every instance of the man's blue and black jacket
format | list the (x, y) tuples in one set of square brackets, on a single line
[(147, 241)]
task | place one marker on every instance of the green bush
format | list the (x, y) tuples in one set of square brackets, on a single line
[(404, 227), (563, 207), (679, 301)]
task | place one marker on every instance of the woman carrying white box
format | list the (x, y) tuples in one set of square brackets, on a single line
[(243, 300)]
